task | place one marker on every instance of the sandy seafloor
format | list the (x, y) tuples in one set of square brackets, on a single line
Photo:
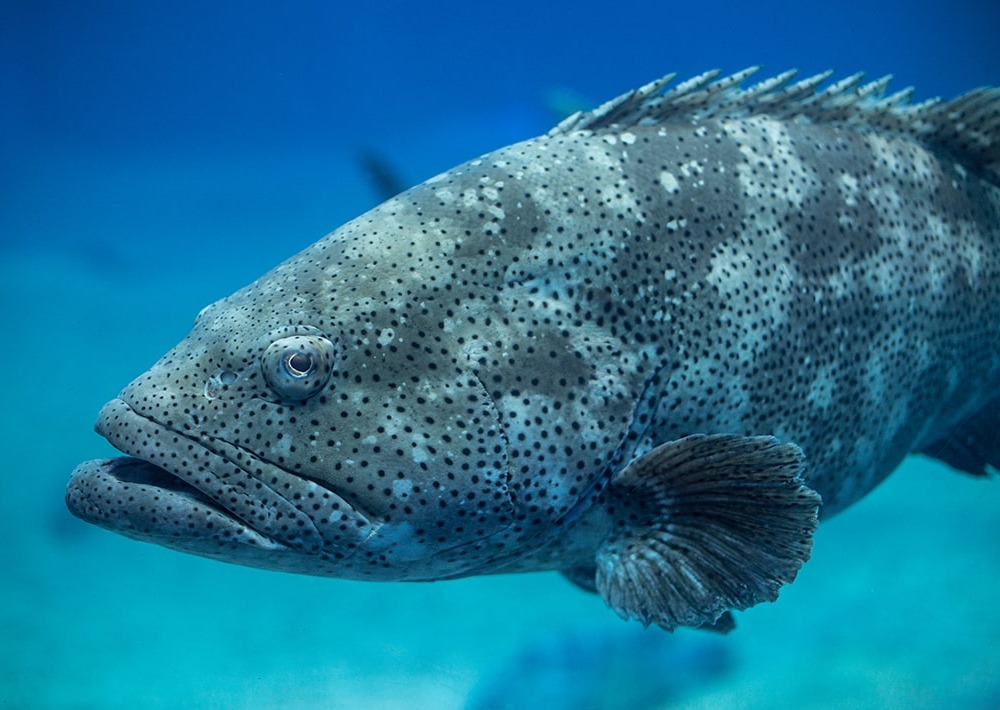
[(108, 250)]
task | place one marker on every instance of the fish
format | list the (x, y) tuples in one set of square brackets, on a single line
[(650, 349), (382, 175)]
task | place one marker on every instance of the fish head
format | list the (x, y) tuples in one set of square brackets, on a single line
[(311, 422)]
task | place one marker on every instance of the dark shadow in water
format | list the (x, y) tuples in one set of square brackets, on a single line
[(612, 669)]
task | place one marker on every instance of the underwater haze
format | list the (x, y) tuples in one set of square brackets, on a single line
[(155, 157)]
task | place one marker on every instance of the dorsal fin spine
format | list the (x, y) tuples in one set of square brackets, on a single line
[(967, 128)]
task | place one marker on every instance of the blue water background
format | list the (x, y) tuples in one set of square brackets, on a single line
[(156, 156)]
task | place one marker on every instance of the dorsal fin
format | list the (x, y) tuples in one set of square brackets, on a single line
[(967, 127)]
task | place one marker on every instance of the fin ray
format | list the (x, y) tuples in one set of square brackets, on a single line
[(967, 127), (705, 524)]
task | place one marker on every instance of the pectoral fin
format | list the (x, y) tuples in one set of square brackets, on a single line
[(705, 524)]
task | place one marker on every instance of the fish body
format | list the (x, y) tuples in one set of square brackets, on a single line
[(648, 349)]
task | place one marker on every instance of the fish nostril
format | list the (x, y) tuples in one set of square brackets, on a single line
[(217, 381)]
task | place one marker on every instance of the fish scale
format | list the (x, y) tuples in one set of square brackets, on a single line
[(649, 349)]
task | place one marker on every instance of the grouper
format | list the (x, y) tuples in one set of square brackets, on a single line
[(650, 349)]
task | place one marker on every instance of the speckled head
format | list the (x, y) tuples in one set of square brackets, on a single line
[(290, 430)]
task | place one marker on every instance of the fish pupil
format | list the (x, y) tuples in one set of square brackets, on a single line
[(299, 364)]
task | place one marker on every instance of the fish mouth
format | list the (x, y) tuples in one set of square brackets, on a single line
[(143, 501), (204, 496)]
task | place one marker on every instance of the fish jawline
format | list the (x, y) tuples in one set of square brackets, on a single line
[(140, 500), (168, 478), (226, 485)]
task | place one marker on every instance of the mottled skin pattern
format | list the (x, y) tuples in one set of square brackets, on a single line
[(506, 336)]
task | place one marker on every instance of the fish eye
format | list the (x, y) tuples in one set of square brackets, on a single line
[(298, 366)]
